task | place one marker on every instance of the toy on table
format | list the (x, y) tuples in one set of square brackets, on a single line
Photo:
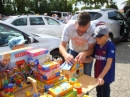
[(36, 94), (61, 89), (87, 96), (42, 55), (72, 70), (73, 81), (10, 85), (78, 87), (72, 93)]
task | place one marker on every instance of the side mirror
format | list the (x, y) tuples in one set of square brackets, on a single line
[(31, 40)]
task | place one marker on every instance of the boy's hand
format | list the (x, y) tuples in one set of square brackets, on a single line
[(80, 57), (100, 81)]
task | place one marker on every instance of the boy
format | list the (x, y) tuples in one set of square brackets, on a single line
[(104, 53), (5, 62), (16, 43)]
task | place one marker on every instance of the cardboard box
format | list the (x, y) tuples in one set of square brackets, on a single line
[(42, 55), (13, 58), (61, 89)]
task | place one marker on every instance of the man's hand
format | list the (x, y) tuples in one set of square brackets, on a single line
[(81, 57), (69, 59), (100, 81)]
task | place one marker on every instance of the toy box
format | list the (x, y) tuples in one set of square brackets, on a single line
[(50, 74), (14, 58), (47, 66), (72, 93), (42, 55), (61, 89), (54, 80)]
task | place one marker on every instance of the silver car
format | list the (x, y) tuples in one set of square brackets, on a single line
[(8, 32), (112, 18), (37, 24)]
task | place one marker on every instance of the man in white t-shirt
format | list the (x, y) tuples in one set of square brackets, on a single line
[(81, 43)]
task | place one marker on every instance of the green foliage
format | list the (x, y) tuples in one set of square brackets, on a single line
[(75, 9), (45, 6), (84, 7), (112, 6)]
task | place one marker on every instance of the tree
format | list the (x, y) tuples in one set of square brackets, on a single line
[(112, 5), (126, 2), (1, 7)]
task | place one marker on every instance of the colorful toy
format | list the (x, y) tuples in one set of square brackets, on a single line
[(42, 55), (87, 96), (78, 87), (34, 86), (61, 89), (73, 81), (75, 72), (72, 93)]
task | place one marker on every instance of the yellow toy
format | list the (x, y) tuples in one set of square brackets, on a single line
[(60, 90), (87, 96), (75, 71)]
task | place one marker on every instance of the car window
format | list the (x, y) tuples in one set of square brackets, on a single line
[(112, 15), (119, 16), (94, 15), (7, 33), (20, 22), (65, 14), (36, 21), (51, 21)]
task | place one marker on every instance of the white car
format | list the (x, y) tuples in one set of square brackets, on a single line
[(8, 32), (112, 18), (37, 24)]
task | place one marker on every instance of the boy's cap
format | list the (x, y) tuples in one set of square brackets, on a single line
[(100, 31), (15, 41)]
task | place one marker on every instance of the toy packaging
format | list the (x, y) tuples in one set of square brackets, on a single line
[(42, 55), (61, 89), (14, 58)]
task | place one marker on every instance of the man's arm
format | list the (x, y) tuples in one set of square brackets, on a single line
[(62, 48), (90, 49), (68, 57)]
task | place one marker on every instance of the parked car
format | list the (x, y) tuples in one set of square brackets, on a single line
[(37, 24), (8, 32), (62, 15), (112, 18)]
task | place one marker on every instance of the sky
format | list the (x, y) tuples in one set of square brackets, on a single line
[(119, 3)]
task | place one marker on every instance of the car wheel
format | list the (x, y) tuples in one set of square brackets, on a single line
[(56, 55)]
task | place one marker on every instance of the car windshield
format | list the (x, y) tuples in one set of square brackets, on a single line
[(94, 15)]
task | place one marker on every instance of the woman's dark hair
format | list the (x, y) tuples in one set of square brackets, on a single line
[(83, 18)]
